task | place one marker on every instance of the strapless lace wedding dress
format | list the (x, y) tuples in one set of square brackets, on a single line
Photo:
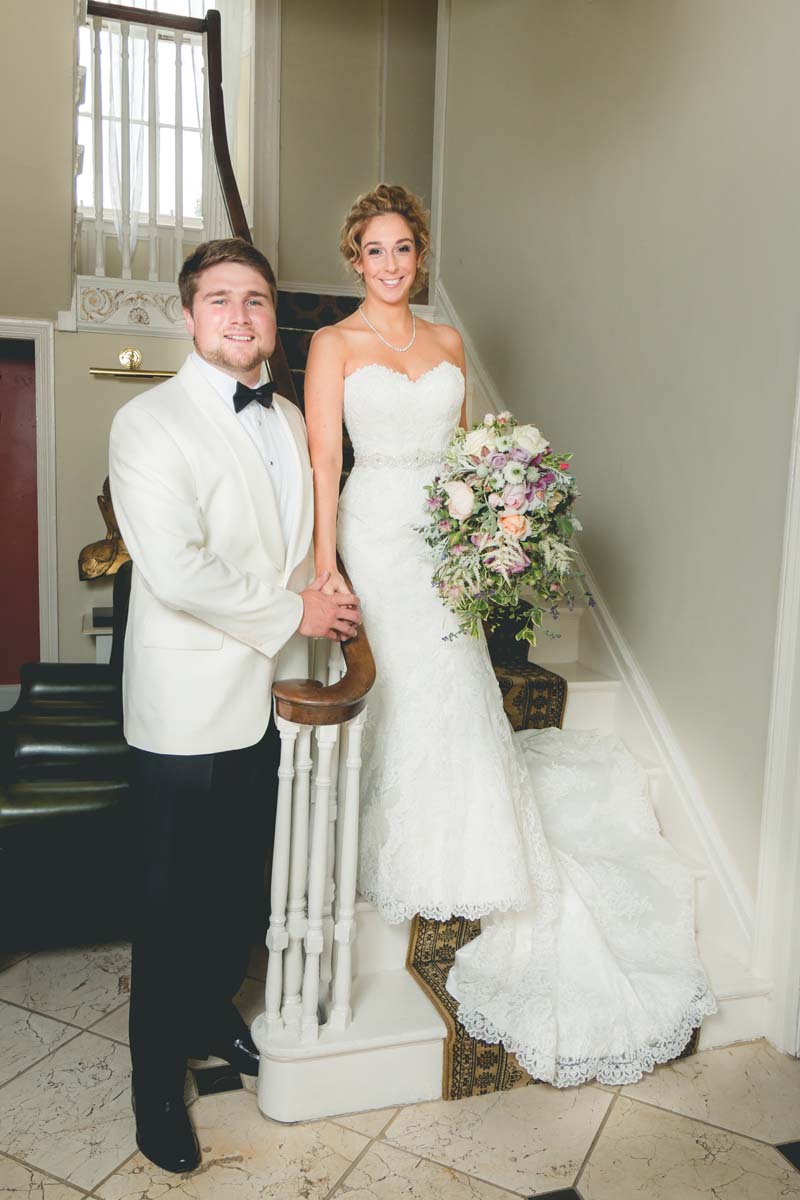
[(586, 965)]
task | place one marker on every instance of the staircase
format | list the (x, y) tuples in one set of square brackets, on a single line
[(392, 1052)]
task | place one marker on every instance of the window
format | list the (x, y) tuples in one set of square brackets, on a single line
[(153, 76)]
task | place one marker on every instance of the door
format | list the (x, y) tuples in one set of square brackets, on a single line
[(19, 540)]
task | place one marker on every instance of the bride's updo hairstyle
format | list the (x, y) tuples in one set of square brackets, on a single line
[(387, 198)]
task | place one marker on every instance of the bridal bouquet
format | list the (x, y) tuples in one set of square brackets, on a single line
[(500, 524)]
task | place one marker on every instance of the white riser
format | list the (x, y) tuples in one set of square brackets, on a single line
[(390, 1054), (379, 946), (591, 708), (564, 646)]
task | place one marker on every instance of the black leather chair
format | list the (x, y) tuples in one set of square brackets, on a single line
[(65, 801)]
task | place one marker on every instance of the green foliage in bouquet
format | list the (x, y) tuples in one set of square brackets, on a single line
[(500, 524)]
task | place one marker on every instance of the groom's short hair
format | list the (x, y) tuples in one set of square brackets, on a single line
[(223, 250)]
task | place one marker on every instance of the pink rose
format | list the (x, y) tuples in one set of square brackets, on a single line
[(495, 501), (462, 500), (515, 498)]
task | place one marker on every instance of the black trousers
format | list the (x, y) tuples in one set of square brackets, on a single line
[(205, 827)]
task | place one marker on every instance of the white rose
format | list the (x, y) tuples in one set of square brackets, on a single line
[(476, 439), (529, 437), (489, 419), (462, 500)]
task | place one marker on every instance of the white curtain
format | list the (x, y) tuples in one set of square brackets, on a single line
[(137, 93), (233, 20)]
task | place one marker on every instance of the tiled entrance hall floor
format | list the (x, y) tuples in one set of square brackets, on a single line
[(706, 1128)]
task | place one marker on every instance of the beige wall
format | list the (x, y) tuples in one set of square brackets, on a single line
[(35, 281), (36, 85), (410, 83), (85, 408), (329, 129), (621, 240)]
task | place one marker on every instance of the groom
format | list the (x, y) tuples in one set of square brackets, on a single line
[(211, 486)]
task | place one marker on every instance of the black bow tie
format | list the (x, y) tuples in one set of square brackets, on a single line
[(244, 395)]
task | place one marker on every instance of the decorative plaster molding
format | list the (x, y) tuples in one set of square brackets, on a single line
[(122, 305)]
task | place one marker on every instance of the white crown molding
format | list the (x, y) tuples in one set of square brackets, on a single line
[(129, 305), (666, 744), (776, 949), (41, 334)]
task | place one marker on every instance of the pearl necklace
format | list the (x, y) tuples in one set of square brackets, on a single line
[(381, 338)]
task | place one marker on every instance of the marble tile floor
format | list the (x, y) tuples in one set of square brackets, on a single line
[(722, 1125)]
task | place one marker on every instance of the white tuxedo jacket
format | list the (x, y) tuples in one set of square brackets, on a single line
[(214, 603)]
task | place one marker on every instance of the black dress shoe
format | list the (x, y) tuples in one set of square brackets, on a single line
[(239, 1050), (164, 1134)]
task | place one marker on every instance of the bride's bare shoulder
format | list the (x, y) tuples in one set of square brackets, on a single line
[(448, 340), (331, 340)]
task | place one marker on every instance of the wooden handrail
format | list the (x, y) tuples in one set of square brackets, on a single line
[(309, 702), (141, 16)]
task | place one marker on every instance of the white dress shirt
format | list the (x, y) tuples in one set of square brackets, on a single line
[(266, 430)]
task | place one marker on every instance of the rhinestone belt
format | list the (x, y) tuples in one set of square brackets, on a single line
[(420, 459)]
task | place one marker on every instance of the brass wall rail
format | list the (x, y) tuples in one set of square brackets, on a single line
[(122, 373)]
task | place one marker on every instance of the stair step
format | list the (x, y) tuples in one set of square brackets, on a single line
[(742, 995), (390, 1054), (591, 696)]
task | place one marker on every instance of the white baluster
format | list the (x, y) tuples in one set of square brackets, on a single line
[(97, 147), (125, 147), (336, 669), (344, 927), (296, 921), (277, 935), (152, 149), (178, 151), (326, 739)]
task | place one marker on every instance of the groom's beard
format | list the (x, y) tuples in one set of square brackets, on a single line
[(245, 357)]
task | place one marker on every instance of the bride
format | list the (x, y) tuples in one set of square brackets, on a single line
[(586, 965)]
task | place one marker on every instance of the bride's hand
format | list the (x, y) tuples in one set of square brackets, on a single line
[(336, 583)]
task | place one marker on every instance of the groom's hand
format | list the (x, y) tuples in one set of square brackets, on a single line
[(336, 617)]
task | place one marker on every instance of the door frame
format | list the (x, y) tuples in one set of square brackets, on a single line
[(776, 944), (41, 334)]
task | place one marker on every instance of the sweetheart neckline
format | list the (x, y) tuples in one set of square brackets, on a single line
[(381, 367)]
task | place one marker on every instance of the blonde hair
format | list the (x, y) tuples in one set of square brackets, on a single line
[(387, 198)]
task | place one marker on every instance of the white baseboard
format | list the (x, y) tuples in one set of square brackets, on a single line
[(485, 397), (9, 693)]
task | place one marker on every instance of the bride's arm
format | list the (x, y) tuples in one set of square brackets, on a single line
[(451, 341), (324, 390)]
